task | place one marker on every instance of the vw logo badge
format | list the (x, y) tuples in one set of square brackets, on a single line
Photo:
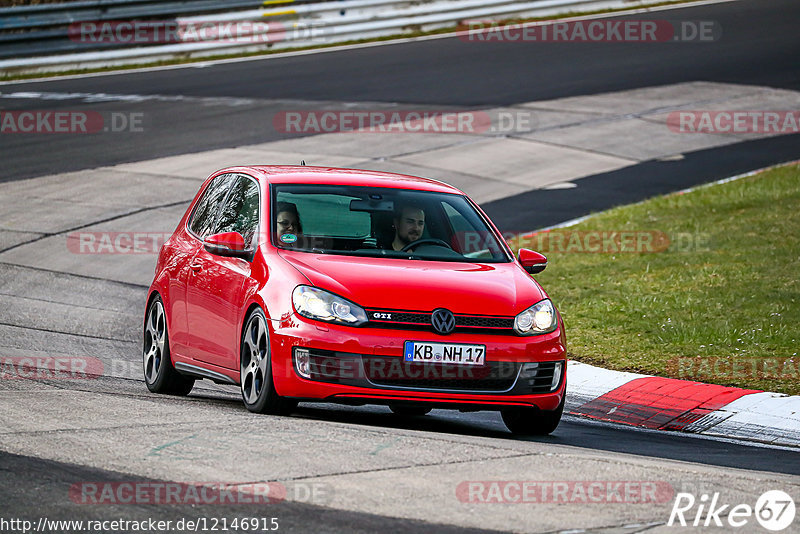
[(443, 321)]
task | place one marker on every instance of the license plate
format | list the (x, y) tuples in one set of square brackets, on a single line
[(418, 351)]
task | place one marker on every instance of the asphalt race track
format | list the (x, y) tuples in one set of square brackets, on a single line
[(761, 50), (379, 472)]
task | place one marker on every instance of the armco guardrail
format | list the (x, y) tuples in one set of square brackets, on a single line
[(80, 41), (43, 15), (44, 29)]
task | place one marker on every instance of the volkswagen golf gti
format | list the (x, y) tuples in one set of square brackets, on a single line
[(300, 283)]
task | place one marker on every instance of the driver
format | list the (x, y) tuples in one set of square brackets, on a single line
[(409, 223)]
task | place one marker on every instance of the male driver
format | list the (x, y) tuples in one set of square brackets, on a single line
[(409, 223)]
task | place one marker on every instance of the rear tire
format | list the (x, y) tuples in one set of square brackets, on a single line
[(532, 421), (409, 411), (159, 373), (255, 369)]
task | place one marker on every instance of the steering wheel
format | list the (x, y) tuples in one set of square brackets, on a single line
[(426, 241)]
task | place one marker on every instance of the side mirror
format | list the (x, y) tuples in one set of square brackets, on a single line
[(228, 244), (531, 261)]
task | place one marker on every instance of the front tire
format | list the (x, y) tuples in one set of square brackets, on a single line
[(159, 373), (532, 421), (255, 370)]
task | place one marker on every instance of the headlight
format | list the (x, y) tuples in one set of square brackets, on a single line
[(321, 305), (538, 319)]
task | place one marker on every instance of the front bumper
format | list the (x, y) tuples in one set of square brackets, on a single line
[(365, 365)]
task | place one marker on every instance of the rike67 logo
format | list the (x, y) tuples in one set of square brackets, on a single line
[(774, 510)]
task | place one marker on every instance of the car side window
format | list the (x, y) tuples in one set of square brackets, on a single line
[(470, 237), (240, 211), (202, 222), (457, 221)]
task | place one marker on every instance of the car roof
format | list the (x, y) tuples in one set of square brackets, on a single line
[(302, 174)]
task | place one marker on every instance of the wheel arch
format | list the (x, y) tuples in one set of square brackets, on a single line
[(252, 305), (154, 292)]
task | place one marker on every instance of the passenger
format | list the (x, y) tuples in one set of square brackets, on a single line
[(409, 224), (288, 223)]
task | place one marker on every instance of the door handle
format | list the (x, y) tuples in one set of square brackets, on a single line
[(197, 266)]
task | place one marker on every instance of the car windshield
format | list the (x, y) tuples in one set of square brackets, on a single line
[(382, 222)]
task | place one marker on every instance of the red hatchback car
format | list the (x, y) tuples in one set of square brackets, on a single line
[(359, 287)]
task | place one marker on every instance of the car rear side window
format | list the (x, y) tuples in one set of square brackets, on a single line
[(240, 211), (202, 222)]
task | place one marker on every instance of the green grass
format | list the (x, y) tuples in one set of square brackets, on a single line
[(712, 310)]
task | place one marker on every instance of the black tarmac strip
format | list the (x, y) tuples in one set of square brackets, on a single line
[(541, 207)]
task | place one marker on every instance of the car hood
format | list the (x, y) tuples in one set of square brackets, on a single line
[(502, 289)]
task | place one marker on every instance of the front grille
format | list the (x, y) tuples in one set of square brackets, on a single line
[(405, 317), (484, 322), (414, 320), (394, 372)]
